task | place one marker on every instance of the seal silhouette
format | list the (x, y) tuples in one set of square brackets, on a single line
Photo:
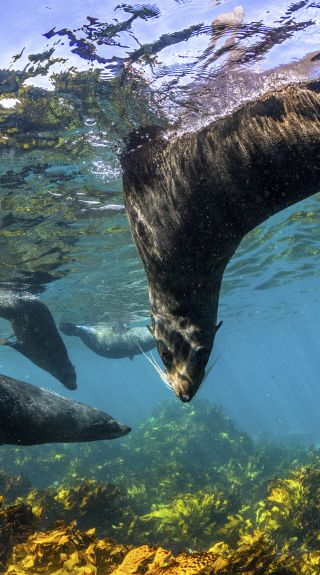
[(30, 415), (191, 199), (37, 336), (112, 340)]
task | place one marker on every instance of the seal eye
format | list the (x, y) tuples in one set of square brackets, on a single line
[(165, 353), (167, 356)]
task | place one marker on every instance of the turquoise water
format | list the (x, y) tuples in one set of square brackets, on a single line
[(75, 78), (63, 118)]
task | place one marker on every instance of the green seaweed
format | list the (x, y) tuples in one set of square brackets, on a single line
[(186, 478)]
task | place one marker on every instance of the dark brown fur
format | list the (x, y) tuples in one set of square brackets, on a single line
[(190, 200)]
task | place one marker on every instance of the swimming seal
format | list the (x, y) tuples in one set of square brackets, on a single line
[(37, 336), (30, 415), (190, 200), (114, 341)]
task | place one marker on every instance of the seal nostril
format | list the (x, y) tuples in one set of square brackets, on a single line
[(184, 397)]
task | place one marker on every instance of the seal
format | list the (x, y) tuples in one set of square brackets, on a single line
[(37, 336), (113, 341), (30, 415), (190, 201)]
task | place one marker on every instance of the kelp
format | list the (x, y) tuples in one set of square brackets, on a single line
[(189, 520), (290, 512), (186, 479), (92, 504), (42, 119), (65, 550), (101, 505), (16, 523), (13, 486)]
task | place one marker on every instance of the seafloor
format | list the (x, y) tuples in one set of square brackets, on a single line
[(185, 493)]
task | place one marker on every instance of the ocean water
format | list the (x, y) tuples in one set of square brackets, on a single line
[(75, 79)]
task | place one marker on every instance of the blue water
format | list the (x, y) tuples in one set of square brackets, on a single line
[(71, 89), (265, 375), (75, 78)]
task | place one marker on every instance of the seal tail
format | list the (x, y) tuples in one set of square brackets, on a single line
[(68, 328)]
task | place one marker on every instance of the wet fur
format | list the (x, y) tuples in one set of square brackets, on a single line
[(110, 341), (37, 337), (190, 201), (30, 415)]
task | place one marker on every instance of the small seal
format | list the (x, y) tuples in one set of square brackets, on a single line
[(31, 415), (37, 336), (190, 201), (114, 341)]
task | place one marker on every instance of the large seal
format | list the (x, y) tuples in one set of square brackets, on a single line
[(190, 200), (113, 341), (37, 336), (30, 415)]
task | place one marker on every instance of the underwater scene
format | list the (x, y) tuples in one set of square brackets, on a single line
[(159, 287)]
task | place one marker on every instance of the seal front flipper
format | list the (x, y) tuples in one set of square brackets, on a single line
[(31, 415), (14, 344), (8, 341)]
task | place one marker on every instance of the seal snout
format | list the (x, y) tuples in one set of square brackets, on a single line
[(68, 377), (182, 386), (185, 397)]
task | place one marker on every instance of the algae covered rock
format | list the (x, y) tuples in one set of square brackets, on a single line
[(65, 550), (186, 479), (157, 561), (101, 506), (16, 523)]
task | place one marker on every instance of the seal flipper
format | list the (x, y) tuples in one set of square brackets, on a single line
[(8, 341)]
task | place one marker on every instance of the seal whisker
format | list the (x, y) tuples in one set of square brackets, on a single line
[(161, 372), (151, 359)]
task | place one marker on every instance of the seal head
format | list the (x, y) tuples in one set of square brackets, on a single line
[(31, 415), (184, 353)]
